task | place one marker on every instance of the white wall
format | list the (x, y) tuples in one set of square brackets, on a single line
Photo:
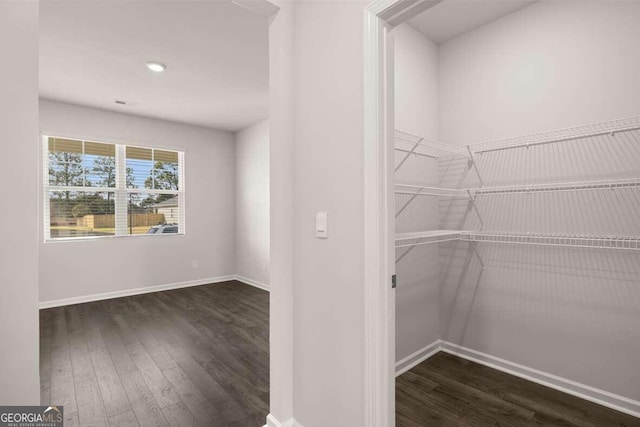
[(547, 66), (19, 369), (328, 175), (87, 267), (252, 202), (562, 311), (416, 83), (416, 112)]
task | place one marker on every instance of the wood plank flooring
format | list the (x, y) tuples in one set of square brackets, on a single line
[(446, 390), (196, 356)]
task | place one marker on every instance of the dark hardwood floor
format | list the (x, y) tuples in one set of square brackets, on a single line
[(446, 390), (186, 357)]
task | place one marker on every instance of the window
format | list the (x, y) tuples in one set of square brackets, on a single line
[(97, 189)]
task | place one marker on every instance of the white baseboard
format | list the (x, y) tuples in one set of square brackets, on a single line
[(135, 291), (252, 282), (273, 422), (583, 391), (149, 289), (417, 358)]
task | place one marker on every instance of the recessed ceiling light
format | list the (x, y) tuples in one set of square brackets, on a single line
[(156, 67)]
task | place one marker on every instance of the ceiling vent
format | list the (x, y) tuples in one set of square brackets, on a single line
[(126, 103)]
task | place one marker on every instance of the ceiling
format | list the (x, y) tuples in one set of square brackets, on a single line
[(93, 53), (452, 18)]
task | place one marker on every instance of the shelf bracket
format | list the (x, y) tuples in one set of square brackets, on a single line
[(445, 172), (475, 250), (409, 249), (409, 153), (411, 199), (475, 165), (472, 201)]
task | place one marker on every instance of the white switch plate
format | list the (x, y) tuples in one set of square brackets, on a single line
[(322, 231)]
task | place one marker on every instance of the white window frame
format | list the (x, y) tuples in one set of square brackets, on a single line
[(121, 191)]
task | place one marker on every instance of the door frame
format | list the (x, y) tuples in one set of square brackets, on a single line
[(381, 16)]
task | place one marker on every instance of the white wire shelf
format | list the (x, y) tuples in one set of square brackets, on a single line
[(603, 132), (564, 186), (434, 148), (420, 190), (597, 242), (405, 240), (611, 128)]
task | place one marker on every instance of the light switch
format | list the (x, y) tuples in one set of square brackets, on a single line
[(322, 231)]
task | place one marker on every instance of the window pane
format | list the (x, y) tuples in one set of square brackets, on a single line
[(165, 156), (151, 168), (139, 165), (88, 206), (81, 214), (65, 162), (165, 172), (100, 164), (152, 213), (61, 145)]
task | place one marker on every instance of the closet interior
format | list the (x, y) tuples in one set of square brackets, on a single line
[(517, 197)]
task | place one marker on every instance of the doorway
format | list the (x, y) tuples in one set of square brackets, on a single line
[(154, 184)]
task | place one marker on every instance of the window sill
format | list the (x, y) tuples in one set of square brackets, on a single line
[(128, 236)]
